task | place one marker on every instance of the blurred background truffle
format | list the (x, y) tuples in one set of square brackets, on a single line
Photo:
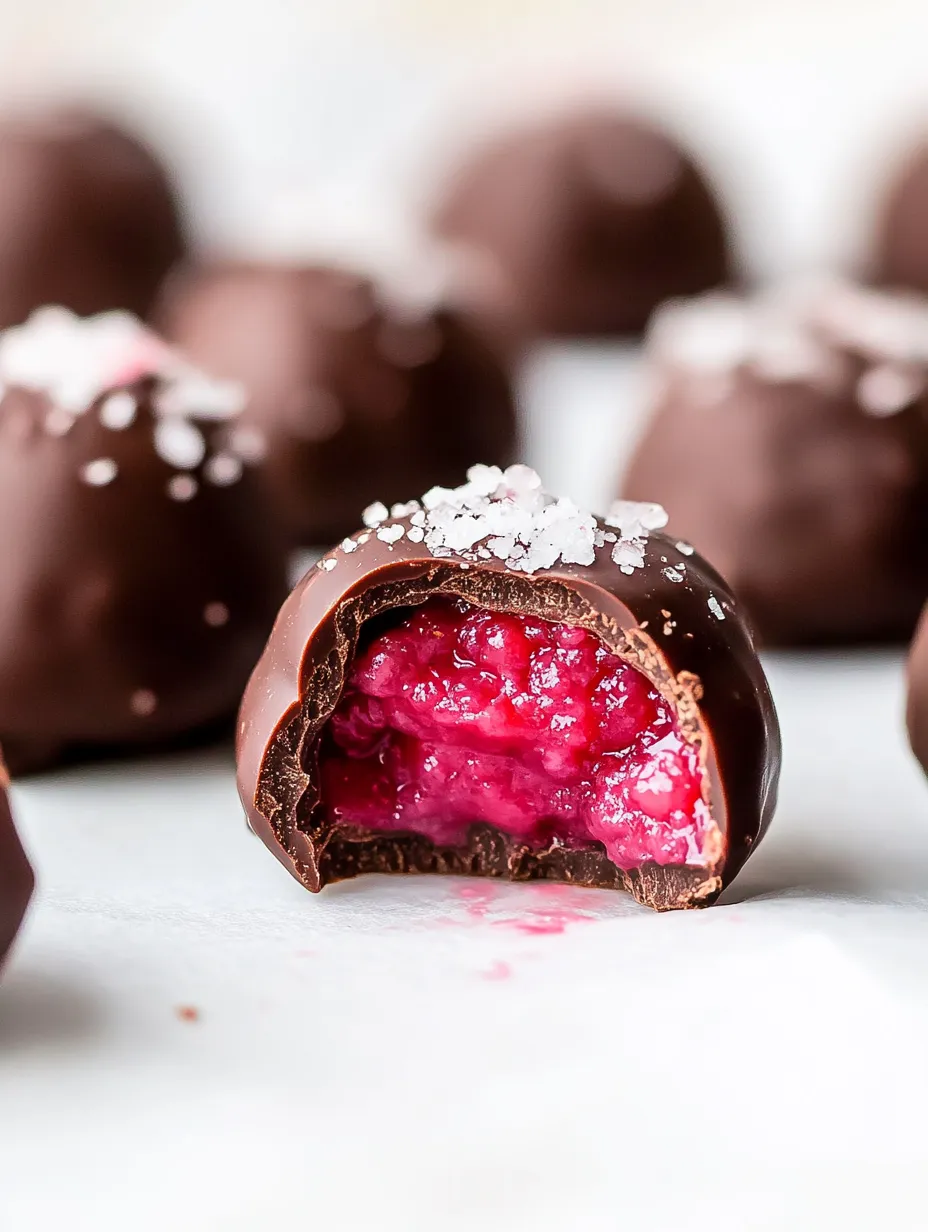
[(16, 877), (789, 443), (901, 247), (581, 225), (88, 218), (141, 565), (917, 692), (358, 398)]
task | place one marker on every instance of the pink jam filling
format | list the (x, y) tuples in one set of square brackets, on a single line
[(460, 715)]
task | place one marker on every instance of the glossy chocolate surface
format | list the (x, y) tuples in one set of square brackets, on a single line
[(582, 225), (88, 218), (797, 461), (16, 877), (358, 400), (674, 619), (916, 712)]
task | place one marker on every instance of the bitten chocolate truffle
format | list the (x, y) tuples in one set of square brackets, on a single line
[(493, 682), (142, 568), (900, 257), (789, 442), (581, 226), (357, 399), (87, 217), (16, 879)]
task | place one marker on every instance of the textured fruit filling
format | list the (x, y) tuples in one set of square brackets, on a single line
[(457, 715)]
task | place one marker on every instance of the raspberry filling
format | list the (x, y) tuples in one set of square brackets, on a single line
[(459, 715)]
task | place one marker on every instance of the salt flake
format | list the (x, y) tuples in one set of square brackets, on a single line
[(374, 514)]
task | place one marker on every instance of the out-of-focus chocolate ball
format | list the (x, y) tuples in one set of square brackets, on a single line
[(359, 400), (916, 711), (88, 217), (16, 877), (900, 257), (582, 226), (142, 568), (789, 444)]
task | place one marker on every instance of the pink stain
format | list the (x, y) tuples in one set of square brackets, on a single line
[(548, 920), (498, 971), (538, 923)]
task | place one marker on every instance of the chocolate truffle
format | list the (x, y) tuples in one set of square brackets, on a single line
[(87, 217), (496, 683), (582, 226), (141, 564), (900, 257), (789, 442), (16, 879), (358, 400)]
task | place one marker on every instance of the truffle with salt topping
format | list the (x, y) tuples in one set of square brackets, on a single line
[(581, 226), (789, 443), (494, 682), (88, 218), (142, 567), (16, 878), (357, 398)]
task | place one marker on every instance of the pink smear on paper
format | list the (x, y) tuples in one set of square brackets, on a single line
[(547, 918), (498, 971)]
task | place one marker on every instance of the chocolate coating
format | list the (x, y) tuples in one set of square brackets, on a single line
[(916, 711), (129, 617), (798, 465), (583, 225), (88, 218), (16, 877), (357, 401), (704, 666), (900, 245)]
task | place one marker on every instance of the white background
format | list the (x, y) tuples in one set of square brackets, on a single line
[(347, 106), (397, 1055)]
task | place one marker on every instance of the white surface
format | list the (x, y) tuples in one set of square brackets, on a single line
[(405, 1057)]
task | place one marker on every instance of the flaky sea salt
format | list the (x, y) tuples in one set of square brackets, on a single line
[(77, 362), (223, 469), (118, 411), (391, 534), (686, 548), (405, 510), (506, 515), (179, 443), (99, 472), (715, 607), (349, 545), (374, 514), (803, 331), (886, 390), (182, 487)]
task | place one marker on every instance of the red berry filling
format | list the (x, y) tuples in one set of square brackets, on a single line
[(460, 715)]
